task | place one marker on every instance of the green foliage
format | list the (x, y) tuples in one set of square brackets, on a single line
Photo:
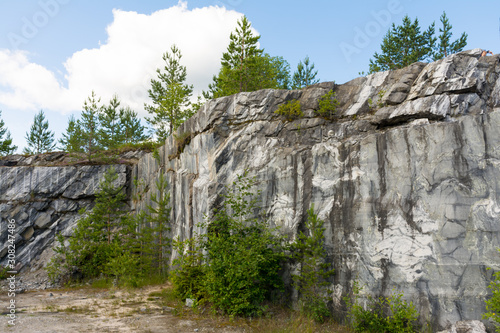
[(235, 266), (403, 45), (493, 303), (89, 125), (133, 131), (327, 105), (111, 129), (305, 75), (39, 138), (189, 275), (6, 146), (103, 127), (170, 96), (378, 104), (402, 316), (406, 44), (243, 255), (245, 67), (313, 273), (444, 46), (290, 110), (3, 273), (72, 140), (154, 230), (99, 234)]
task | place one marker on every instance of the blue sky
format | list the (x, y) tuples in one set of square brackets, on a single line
[(53, 53)]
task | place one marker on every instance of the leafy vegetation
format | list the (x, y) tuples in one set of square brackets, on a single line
[(39, 138), (6, 146), (327, 105), (241, 256), (103, 128), (170, 95), (493, 303), (245, 67), (109, 243), (305, 75), (405, 44), (383, 314), (291, 110), (313, 273)]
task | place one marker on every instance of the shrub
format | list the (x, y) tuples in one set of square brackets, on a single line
[(243, 254), (311, 281), (189, 274), (290, 110), (402, 315), (493, 304), (236, 265), (327, 105)]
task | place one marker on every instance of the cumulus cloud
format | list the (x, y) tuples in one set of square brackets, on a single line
[(125, 63)]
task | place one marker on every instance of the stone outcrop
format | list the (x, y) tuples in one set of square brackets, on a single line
[(406, 177), (44, 201)]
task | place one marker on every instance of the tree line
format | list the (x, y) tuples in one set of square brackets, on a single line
[(244, 67)]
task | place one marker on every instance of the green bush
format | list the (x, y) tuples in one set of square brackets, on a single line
[(402, 316), (493, 304), (243, 254), (311, 281), (290, 110), (236, 265), (189, 275), (327, 105)]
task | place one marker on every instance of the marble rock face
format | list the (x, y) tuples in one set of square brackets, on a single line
[(406, 177)]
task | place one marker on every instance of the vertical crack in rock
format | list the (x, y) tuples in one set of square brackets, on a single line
[(381, 157)]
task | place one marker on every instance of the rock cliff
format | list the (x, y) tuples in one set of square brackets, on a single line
[(406, 177)]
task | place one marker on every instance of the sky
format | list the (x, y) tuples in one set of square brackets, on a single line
[(54, 53)]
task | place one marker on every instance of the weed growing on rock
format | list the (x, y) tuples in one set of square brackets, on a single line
[(327, 105), (493, 304), (290, 110)]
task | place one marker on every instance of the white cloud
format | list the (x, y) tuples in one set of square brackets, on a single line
[(125, 63)]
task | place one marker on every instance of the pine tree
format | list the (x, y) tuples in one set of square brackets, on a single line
[(305, 75), (245, 67), (72, 140), (89, 124), (170, 96), (98, 236), (155, 229), (111, 129), (133, 131), (241, 54), (444, 46), (6, 146), (39, 138), (404, 45)]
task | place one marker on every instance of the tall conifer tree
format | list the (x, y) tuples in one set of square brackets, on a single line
[(170, 96), (6, 146), (444, 46), (39, 138)]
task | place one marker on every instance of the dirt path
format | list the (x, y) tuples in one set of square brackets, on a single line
[(85, 310)]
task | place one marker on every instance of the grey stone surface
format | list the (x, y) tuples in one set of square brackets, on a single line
[(409, 189), (44, 201), (406, 177)]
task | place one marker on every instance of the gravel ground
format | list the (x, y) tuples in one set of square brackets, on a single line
[(85, 310)]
